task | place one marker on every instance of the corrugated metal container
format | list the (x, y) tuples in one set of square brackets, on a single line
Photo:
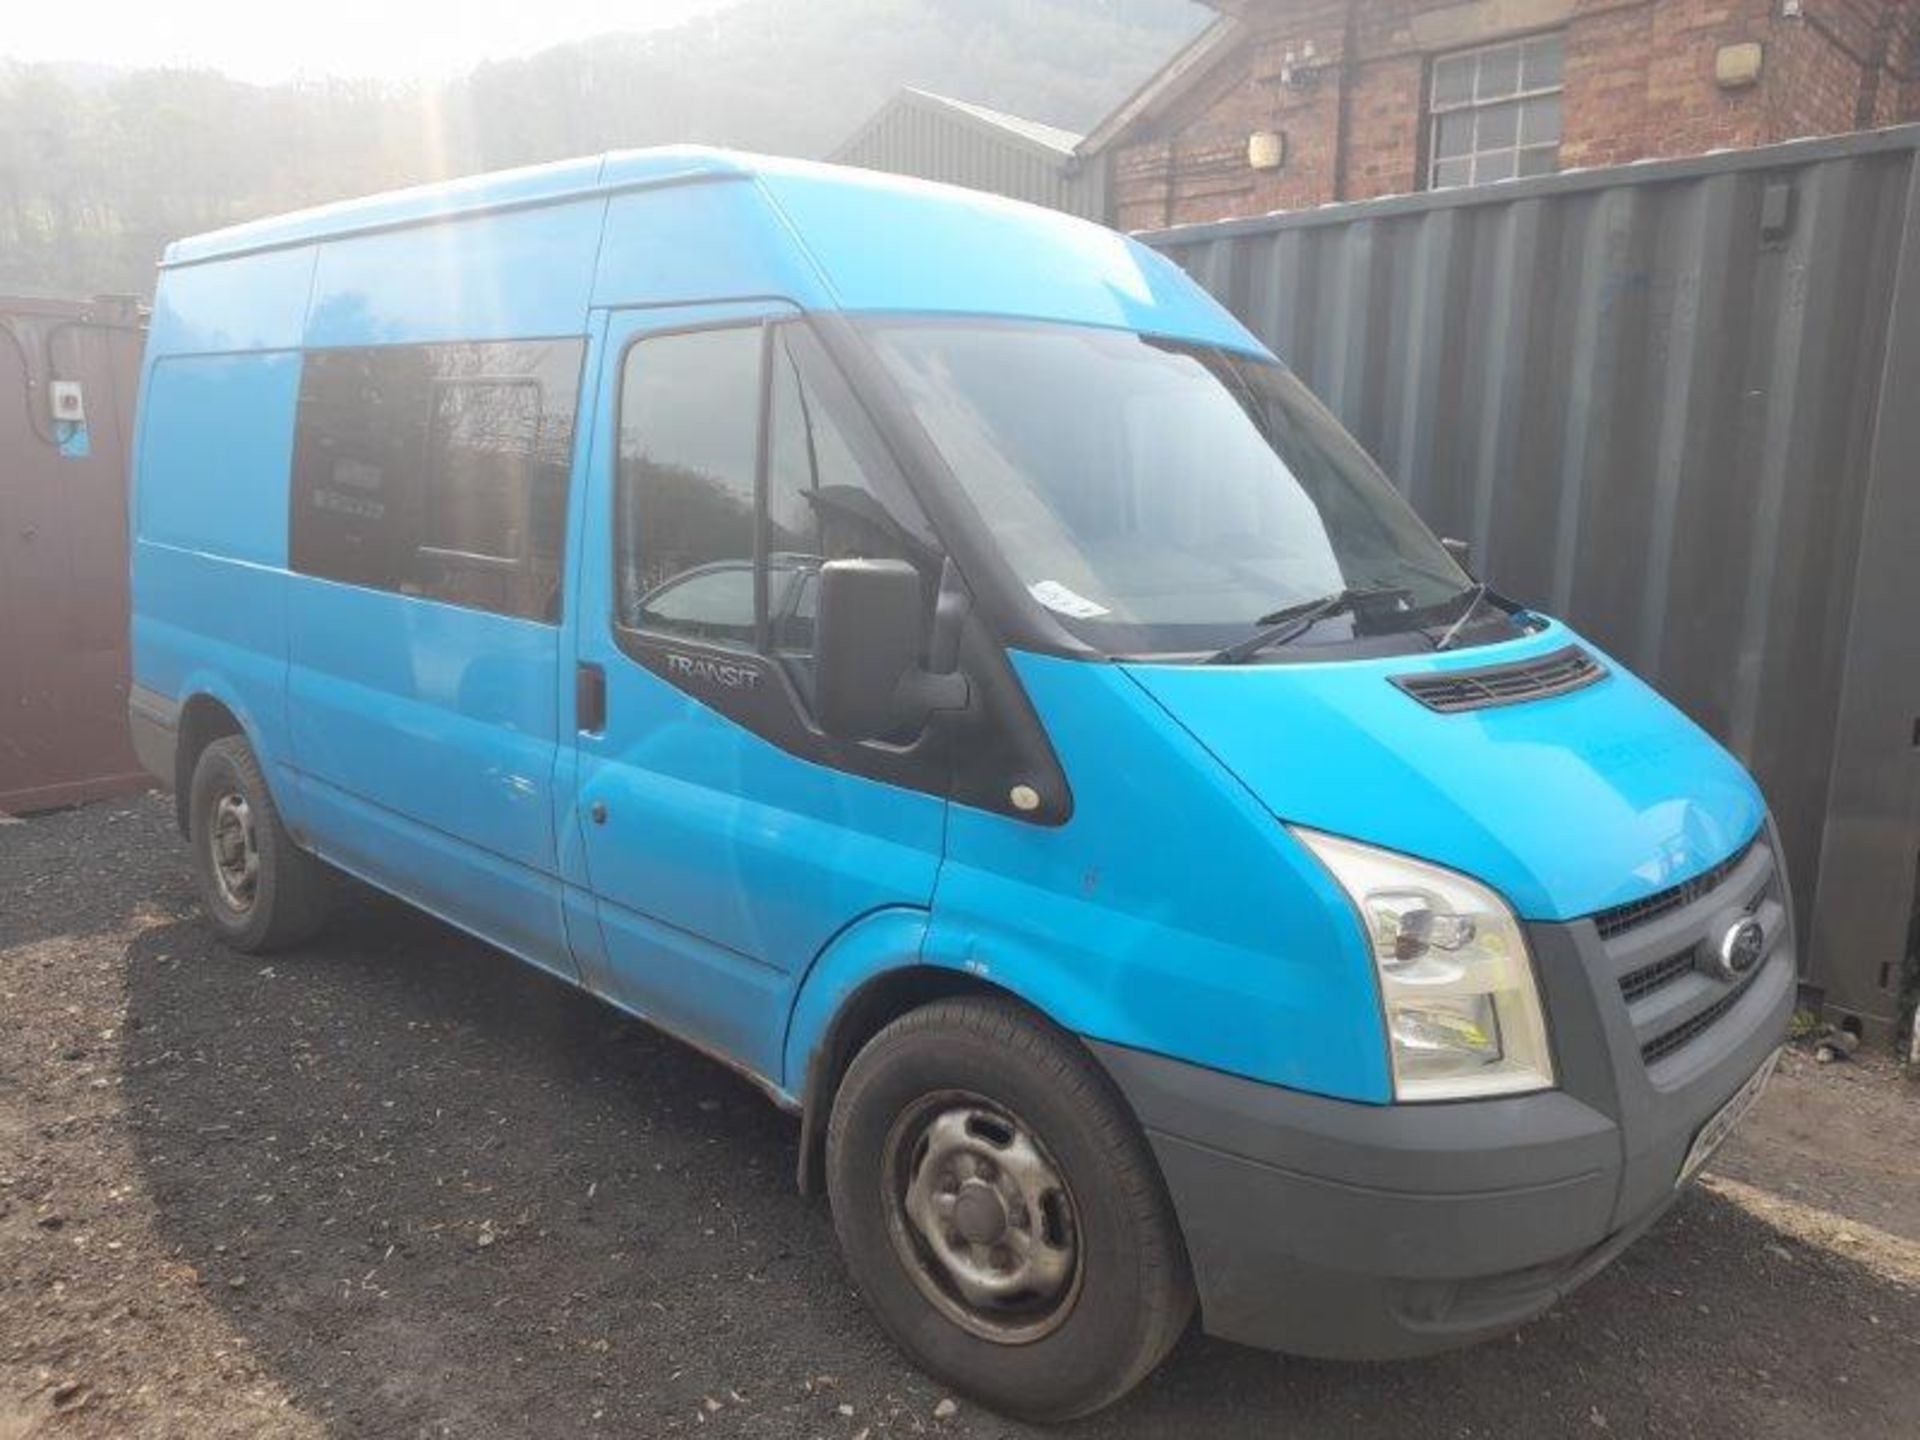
[(63, 549), (935, 137), (1678, 404)]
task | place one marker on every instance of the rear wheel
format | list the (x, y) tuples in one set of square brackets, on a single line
[(260, 890), (1001, 1213)]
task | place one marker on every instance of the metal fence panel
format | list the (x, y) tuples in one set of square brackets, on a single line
[(1678, 404)]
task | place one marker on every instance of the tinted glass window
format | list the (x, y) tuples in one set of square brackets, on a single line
[(820, 503), (684, 508), (481, 467), (714, 602), (1159, 497), (438, 471), (691, 486)]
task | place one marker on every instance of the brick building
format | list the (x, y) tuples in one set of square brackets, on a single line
[(1287, 103)]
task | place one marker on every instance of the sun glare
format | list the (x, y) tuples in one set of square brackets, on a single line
[(270, 42)]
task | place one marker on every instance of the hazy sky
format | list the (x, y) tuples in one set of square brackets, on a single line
[(268, 40)]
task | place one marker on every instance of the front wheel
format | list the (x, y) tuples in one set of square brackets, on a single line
[(999, 1209), (260, 890)]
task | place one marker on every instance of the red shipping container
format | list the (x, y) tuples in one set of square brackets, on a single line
[(68, 374)]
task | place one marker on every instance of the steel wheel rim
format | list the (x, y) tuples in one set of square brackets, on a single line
[(981, 1217), (235, 852)]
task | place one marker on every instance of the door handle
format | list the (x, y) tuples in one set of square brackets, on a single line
[(589, 698)]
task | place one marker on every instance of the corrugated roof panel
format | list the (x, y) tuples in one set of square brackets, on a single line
[(1051, 136)]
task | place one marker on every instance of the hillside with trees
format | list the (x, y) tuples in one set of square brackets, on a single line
[(99, 169)]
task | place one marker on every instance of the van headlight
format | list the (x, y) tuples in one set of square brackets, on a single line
[(1462, 1009)]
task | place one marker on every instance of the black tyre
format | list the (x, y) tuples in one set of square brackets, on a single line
[(260, 890), (1001, 1212)]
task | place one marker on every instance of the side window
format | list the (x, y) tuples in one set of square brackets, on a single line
[(438, 471), (474, 535), (820, 505), (710, 528), (684, 504), (357, 455)]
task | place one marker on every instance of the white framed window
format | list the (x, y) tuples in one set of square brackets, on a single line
[(1493, 113)]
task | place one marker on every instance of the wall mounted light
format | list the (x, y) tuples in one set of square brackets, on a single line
[(1266, 149), (1735, 67)]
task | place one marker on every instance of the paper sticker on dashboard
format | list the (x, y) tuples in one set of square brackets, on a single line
[(1058, 598)]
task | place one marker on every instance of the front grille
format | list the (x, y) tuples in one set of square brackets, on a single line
[(1668, 1041), (1622, 918), (1640, 983), (1654, 948), (1451, 691)]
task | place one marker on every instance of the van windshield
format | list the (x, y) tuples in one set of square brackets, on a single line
[(1163, 498)]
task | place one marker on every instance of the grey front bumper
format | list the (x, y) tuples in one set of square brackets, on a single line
[(1328, 1228)]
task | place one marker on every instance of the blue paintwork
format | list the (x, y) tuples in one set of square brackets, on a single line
[(1170, 913), (424, 736), (688, 243), (249, 303), (208, 419), (580, 923), (726, 864), (1566, 806), (884, 243), (525, 186), (684, 224), (738, 895), (511, 275), (208, 576), (205, 626), (878, 943)]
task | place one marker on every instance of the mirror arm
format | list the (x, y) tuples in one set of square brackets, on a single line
[(921, 693), (941, 686), (950, 611)]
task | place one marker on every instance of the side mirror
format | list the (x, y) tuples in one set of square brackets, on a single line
[(868, 638)]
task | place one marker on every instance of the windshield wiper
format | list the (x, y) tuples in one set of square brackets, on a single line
[(1293, 621), (1476, 597)]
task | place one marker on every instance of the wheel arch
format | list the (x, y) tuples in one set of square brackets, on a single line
[(203, 720), (867, 1011), (872, 974), (209, 711)]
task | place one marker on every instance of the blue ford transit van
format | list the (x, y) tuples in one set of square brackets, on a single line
[(920, 650)]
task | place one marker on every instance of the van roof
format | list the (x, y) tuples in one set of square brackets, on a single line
[(674, 225), (526, 186)]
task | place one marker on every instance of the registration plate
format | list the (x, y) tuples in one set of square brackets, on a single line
[(1720, 1124)]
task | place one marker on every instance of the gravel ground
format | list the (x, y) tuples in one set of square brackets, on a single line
[(395, 1184)]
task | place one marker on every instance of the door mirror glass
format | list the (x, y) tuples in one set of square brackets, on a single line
[(869, 637)]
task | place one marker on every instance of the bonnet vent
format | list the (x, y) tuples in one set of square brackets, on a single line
[(1447, 691)]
